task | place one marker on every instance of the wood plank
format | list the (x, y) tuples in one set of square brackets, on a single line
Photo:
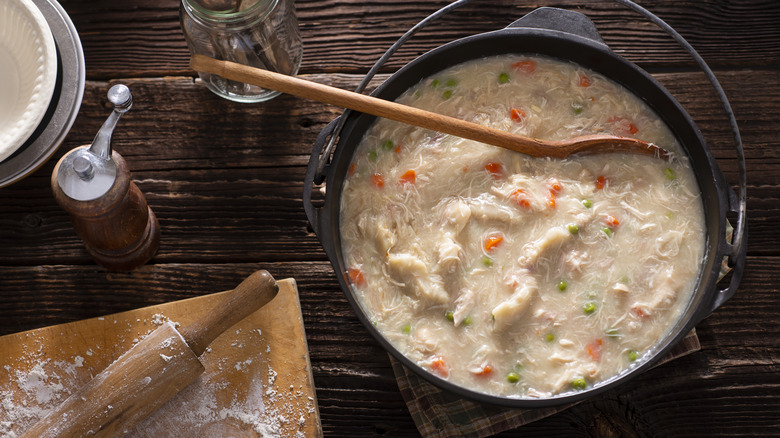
[(143, 37), (732, 386)]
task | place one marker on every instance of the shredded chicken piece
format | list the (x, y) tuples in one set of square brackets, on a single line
[(553, 238), (463, 305), (525, 287), (619, 288), (449, 253), (413, 272), (457, 214)]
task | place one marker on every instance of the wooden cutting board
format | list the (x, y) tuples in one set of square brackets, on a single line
[(257, 383)]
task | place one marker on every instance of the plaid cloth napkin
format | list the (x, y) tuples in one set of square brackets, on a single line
[(440, 414)]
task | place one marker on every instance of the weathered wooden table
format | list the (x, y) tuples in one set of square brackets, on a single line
[(226, 182)]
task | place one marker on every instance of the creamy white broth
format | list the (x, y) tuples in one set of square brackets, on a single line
[(512, 275)]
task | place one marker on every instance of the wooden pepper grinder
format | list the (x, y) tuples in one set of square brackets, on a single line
[(109, 212)]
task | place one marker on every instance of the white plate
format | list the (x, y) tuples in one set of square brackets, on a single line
[(28, 72)]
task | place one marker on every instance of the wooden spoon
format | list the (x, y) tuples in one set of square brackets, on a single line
[(589, 144)]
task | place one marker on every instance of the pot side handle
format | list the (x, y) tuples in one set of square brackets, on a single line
[(735, 251), (561, 20), (312, 173)]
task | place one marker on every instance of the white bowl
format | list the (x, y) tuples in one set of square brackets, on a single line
[(28, 72)]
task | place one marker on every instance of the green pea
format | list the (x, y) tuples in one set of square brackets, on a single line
[(607, 231), (406, 329), (633, 355), (435, 83), (549, 337), (467, 321), (573, 228), (577, 108), (670, 175), (589, 307), (562, 285), (450, 316), (579, 383), (376, 323), (372, 156), (587, 203), (512, 377), (388, 145), (447, 94), (503, 78), (487, 261), (451, 83)]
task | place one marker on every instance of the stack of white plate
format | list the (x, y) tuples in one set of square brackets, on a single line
[(41, 83)]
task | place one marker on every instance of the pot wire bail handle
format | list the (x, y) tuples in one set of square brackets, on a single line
[(737, 249)]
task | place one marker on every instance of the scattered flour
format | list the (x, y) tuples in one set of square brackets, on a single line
[(242, 365), (38, 391), (166, 343)]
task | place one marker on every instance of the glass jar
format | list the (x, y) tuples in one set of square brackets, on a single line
[(258, 33)]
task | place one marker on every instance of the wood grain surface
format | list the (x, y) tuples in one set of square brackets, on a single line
[(225, 181)]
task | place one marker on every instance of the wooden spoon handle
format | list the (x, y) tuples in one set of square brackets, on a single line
[(367, 104), (253, 293)]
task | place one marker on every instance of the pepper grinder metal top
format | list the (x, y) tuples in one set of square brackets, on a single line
[(87, 174), (93, 184)]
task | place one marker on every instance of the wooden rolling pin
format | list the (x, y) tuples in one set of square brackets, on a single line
[(152, 372)]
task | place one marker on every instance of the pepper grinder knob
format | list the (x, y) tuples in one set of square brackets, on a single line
[(110, 214)]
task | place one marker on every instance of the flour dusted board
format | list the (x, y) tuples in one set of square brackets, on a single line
[(257, 381)]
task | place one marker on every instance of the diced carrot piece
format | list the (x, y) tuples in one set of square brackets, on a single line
[(551, 199), (440, 367), (492, 241), (594, 349), (352, 168), (409, 177), (640, 311), (612, 221), (527, 66), (398, 149), (486, 370), (623, 126), (517, 114), (520, 197), (356, 276), (585, 81), (601, 182), (496, 170), (554, 185), (378, 180)]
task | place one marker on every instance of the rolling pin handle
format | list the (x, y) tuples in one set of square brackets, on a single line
[(253, 293)]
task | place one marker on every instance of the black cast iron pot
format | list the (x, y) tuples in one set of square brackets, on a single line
[(568, 36)]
